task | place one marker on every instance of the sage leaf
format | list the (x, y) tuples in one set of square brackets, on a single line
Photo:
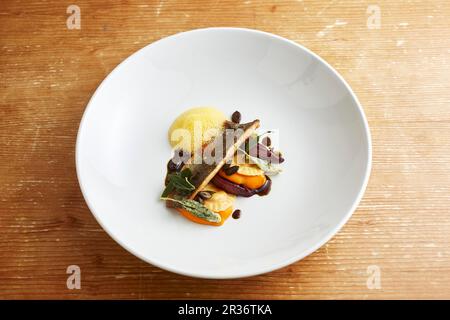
[(179, 181), (197, 209)]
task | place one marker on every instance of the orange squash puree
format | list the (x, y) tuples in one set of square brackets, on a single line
[(223, 214), (252, 182)]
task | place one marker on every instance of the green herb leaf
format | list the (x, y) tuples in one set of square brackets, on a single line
[(179, 181), (186, 173), (197, 209), (169, 188)]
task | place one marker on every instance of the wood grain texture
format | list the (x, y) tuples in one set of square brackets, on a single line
[(400, 72)]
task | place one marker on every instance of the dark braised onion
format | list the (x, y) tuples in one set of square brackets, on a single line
[(231, 187), (240, 190)]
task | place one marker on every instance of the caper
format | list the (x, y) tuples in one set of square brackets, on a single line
[(236, 117)]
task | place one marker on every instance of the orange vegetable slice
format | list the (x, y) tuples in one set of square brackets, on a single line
[(224, 214), (252, 182)]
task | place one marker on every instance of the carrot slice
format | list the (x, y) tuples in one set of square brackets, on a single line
[(223, 214), (252, 182)]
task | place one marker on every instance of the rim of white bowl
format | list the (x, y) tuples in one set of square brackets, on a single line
[(257, 271)]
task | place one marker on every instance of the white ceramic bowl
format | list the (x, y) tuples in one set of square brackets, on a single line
[(122, 150)]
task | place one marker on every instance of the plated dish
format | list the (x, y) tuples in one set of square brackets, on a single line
[(315, 121), (215, 160)]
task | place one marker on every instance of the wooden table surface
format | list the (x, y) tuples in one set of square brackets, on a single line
[(398, 65)]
